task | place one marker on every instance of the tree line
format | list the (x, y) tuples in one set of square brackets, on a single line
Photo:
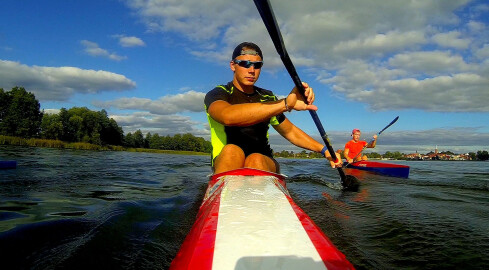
[(20, 116), (178, 142)]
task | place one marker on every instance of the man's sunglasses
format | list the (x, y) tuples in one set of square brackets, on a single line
[(248, 63)]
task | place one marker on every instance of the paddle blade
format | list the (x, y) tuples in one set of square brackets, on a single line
[(351, 183), (390, 124)]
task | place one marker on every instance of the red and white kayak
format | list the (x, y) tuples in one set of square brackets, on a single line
[(249, 221), (388, 169)]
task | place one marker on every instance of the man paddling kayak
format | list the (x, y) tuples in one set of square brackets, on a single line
[(240, 113), (354, 147)]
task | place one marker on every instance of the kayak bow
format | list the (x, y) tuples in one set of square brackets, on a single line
[(248, 220)]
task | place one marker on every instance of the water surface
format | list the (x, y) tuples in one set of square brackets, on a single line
[(72, 209)]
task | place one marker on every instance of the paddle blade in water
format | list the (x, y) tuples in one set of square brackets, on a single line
[(351, 183)]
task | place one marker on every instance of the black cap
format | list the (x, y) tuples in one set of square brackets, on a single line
[(247, 48)]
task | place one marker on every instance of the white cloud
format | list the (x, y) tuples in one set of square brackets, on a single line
[(160, 116), (393, 89), (60, 83), (125, 41), (372, 51), (380, 43), (187, 16), (93, 49), (451, 39), (51, 111), (189, 101), (430, 62), (161, 124), (476, 26), (483, 53)]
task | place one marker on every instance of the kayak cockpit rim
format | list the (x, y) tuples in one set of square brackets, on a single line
[(216, 180)]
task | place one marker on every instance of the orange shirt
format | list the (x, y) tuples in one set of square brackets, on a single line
[(355, 147)]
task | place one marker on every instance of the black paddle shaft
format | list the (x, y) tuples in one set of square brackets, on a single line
[(268, 17)]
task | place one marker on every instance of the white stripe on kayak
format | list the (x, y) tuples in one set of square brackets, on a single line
[(258, 229)]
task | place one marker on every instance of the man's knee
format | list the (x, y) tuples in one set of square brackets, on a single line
[(259, 161), (231, 157), (232, 151), (255, 157)]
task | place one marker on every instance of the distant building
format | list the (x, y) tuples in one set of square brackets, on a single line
[(414, 156), (437, 156)]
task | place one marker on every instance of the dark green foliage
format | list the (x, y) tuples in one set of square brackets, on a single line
[(373, 155), (179, 142), (52, 127), (79, 124), (20, 114), (138, 139), (394, 155), (482, 155)]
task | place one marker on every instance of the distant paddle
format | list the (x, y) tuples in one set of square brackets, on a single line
[(378, 134), (349, 182)]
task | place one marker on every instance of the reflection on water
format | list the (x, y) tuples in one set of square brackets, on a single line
[(68, 209)]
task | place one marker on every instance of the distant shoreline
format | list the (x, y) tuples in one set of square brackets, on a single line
[(16, 141), (45, 143)]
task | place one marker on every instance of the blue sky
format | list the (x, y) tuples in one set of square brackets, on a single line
[(150, 63)]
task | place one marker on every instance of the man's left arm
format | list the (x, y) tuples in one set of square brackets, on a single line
[(372, 143), (301, 139)]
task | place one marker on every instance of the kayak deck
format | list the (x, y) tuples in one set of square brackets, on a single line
[(249, 221), (389, 169)]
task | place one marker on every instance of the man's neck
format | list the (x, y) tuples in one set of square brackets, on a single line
[(248, 89)]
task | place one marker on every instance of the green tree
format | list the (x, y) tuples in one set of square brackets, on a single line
[(204, 146), (68, 133), (20, 113), (129, 140), (147, 138), (83, 124), (111, 132), (187, 142), (76, 123), (373, 155), (155, 142), (394, 155), (4, 102), (482, 155), (167, 143), (51, 127), (138, 139), (177, 142)]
